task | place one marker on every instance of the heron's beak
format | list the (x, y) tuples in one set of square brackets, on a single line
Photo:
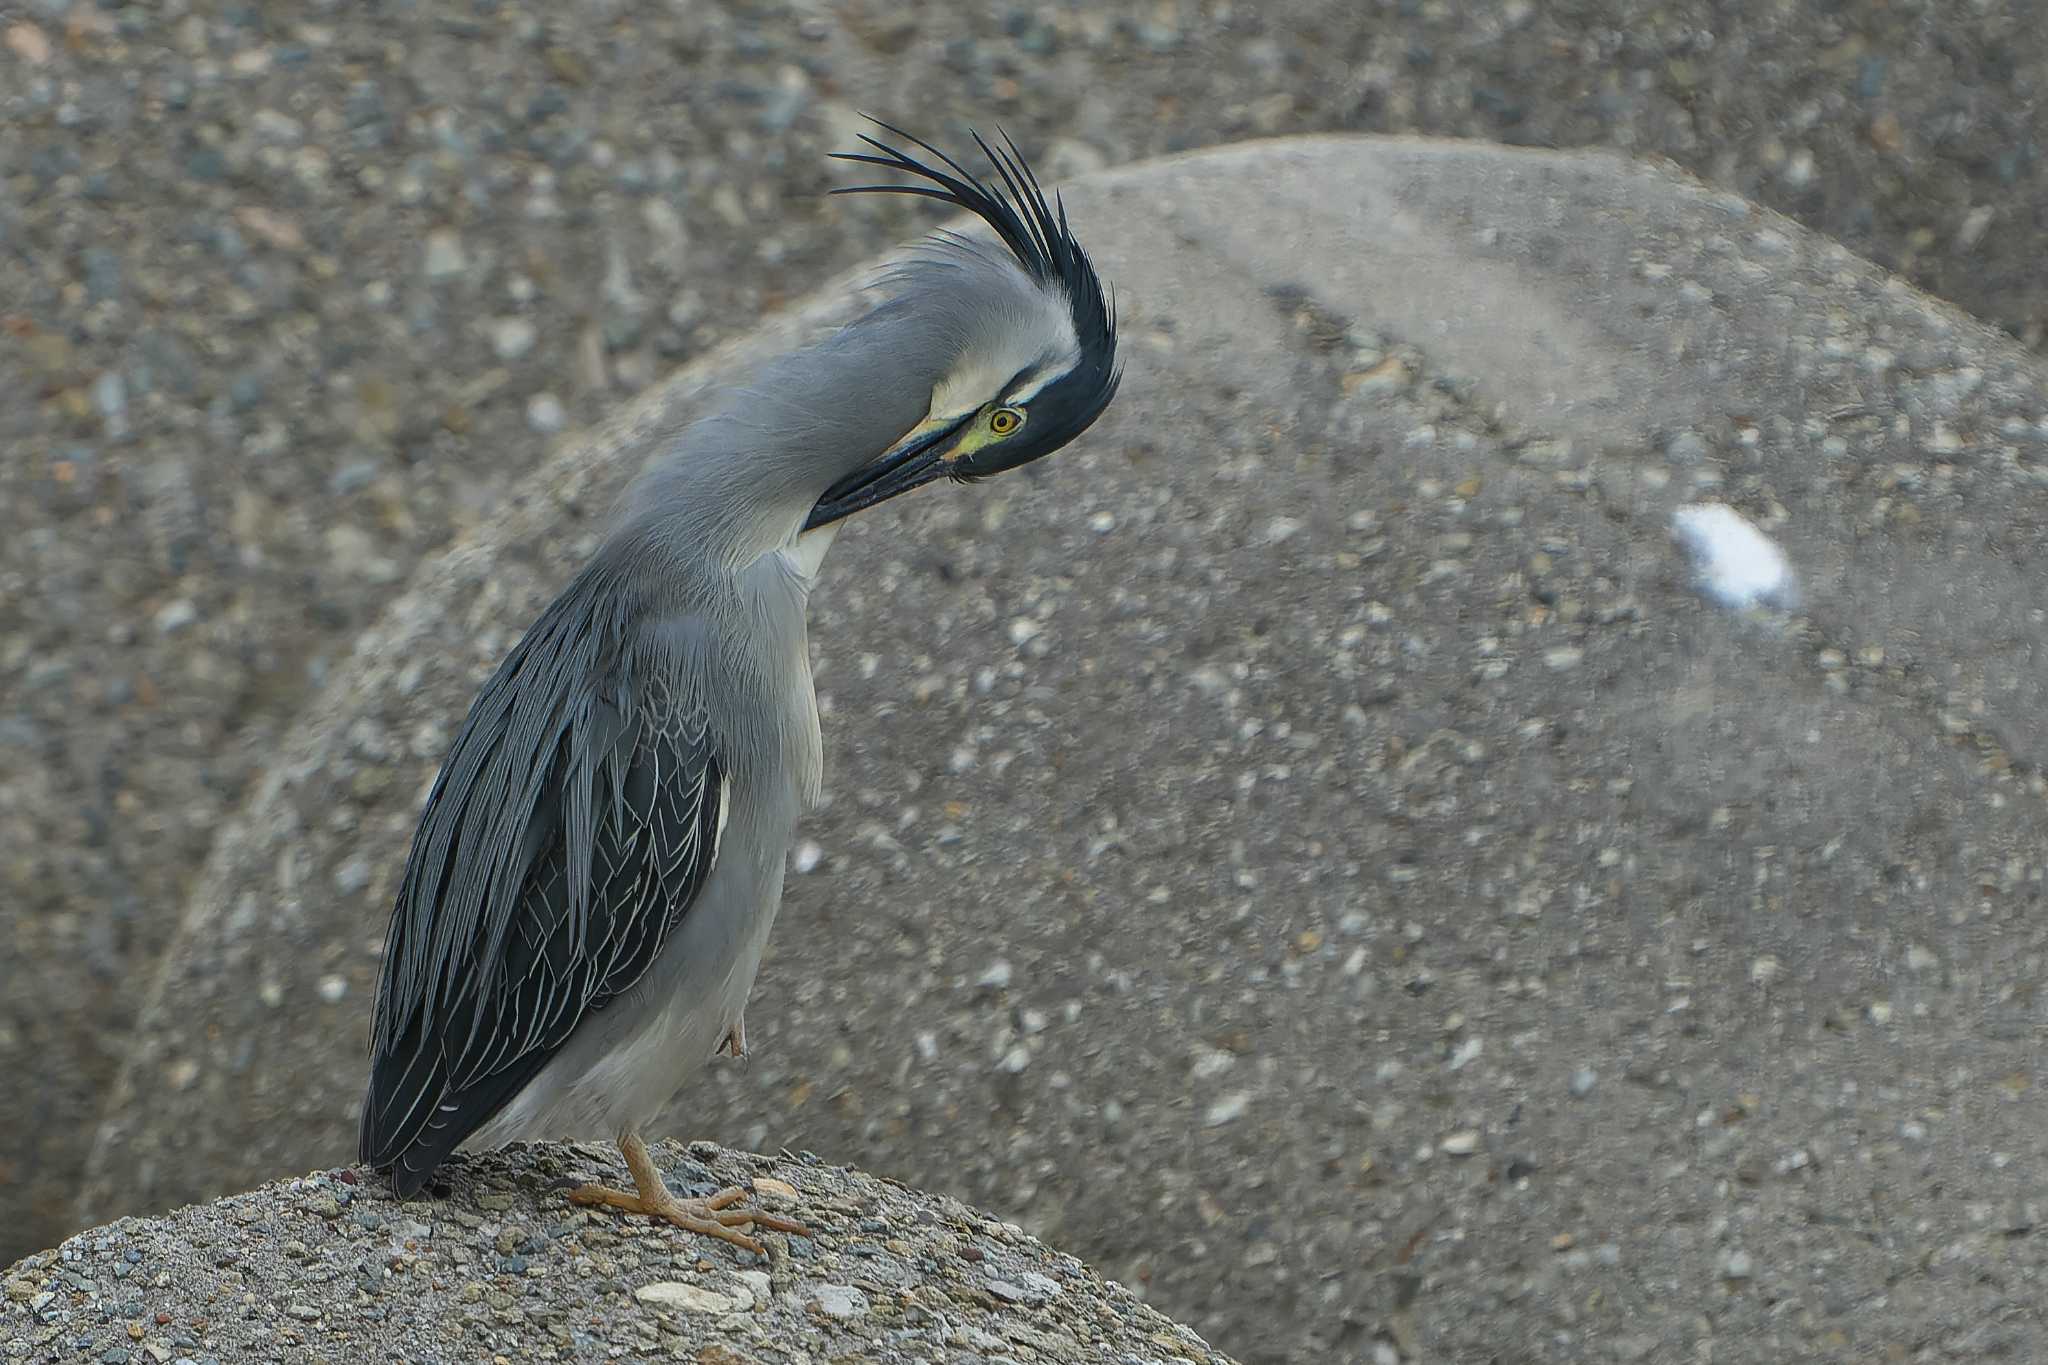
[(912, 462)]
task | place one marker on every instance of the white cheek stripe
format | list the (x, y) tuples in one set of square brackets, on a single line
[(966, 389), (976, 382), (1036, 386)]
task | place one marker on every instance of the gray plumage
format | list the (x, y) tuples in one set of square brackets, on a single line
[(598, 865)]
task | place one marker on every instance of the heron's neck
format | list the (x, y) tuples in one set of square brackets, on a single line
[(741, 482)]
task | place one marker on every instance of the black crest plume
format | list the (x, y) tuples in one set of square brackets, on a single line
[(1033, 227)]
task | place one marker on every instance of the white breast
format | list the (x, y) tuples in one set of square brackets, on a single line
[(807, 556)]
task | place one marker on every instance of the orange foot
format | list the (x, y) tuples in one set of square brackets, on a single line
[(713, 1217)]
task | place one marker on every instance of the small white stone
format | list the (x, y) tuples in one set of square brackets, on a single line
[(997, 977), (1102, 523), (333, 987), (1229, 1109), (1736, 563), (689, 1298), (840, 1301), (445, 257), (1736, 1265), (1027, 1286), (1460, 1144), (807, 856), (757, 1284), (1975, 222), (175, 616), (1919, 959), (1564, 656), (1024, 630), (513, 337), (353, 874), (545, 413), (1466, 1053)]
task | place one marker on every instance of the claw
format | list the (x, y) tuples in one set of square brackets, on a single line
[(712, 1217)]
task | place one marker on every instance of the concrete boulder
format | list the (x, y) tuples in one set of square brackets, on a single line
[(331, 1266), (1311, 848)]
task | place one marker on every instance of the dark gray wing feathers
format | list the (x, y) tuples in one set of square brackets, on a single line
[(570, 829)]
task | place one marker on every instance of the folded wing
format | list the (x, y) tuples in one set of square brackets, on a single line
[(571, 828)]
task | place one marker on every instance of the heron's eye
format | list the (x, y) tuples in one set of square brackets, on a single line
[(1003, 421)]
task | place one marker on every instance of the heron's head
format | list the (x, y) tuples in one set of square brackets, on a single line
[(1022, 339)]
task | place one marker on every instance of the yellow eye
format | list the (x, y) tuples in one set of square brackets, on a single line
[(1003, 421)]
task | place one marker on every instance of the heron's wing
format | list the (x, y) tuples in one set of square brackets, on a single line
[(572, 827)]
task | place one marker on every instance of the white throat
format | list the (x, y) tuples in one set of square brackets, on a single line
[(807, 555)]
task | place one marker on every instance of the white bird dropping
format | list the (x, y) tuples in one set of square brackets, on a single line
[(1737, 565)]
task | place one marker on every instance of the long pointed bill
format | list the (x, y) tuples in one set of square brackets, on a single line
[(911, 463)]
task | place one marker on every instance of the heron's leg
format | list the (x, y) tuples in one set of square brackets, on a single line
[(713, 1217), (735, 1041)]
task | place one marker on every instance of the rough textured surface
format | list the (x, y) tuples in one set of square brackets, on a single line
[(1309, 848), (290, 294), (501, 1267)]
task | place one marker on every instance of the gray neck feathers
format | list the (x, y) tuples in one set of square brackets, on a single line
[(740, 481)]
